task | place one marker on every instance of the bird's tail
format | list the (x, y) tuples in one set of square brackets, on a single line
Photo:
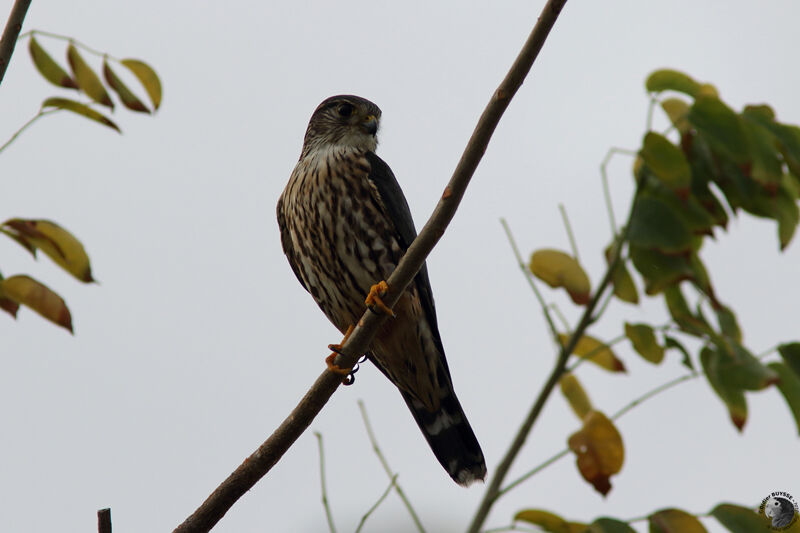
[(450, 437)]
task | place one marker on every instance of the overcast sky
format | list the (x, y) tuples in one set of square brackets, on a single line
[(199, 340)]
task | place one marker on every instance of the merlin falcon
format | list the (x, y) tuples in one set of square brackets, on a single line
[(344, 226)]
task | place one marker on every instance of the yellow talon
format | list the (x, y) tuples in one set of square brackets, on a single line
[(336, 349), (374, 298)]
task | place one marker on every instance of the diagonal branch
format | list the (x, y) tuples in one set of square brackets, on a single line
[(9, 39), (268, 454)]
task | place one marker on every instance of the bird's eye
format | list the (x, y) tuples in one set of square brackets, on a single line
[(345, 110)]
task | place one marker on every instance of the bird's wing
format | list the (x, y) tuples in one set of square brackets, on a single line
[(286, 243), (394, 201)]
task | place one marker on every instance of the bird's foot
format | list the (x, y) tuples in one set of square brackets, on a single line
[(336, 349), (374, 298)]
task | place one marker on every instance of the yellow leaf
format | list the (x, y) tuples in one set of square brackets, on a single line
[(48, 68), (674, 520), (147, 77), (549, 522), (595, 351), (59, 244), (87, 80), (599, 450), (558, 269), (575, 394), (129, 99), (29, 292), (624, 287), (80, 109)]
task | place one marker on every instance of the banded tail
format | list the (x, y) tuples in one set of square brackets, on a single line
[(450, 437)]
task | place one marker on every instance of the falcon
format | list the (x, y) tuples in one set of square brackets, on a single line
[(345, 224)]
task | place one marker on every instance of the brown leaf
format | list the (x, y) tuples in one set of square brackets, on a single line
[(599, 450)]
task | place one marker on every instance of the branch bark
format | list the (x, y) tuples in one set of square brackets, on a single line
[(267, 455), (9, 39)]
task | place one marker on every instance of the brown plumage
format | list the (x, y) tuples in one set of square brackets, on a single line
[(344, 225)]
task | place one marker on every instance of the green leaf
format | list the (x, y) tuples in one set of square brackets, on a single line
[(732, 397), (786, 213), (644, 342), (789, 385), (59, 244), (743, 370), (671, 80), (80, 109), (609, 525), (48, 68), (87, 80), (147, 77), (738, 519), (677, 110), (575, 394), (624, 287), (655, 225), (127, 97), (721, 127), (666, 161), (671, 342), (659, 270), (674, 521), (767, 168), (728, 323), (791, 354)]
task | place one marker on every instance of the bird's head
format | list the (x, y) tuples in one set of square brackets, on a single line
[(343, 120)]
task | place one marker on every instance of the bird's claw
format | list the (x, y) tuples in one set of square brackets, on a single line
[(336, 349), (374, 298)]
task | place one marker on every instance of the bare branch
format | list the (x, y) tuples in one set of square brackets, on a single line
[(493, 490), (9, 39), (263, 459), (104, 520), (325, 502), (388, 469)]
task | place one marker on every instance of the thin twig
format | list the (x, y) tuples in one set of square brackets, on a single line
[(650, 109), (606, 190), (393, 476), (561, 317), (493, 490), (25, 126), (9, 39), (325, 503), (104, 520), (570, 235), (534, 471), (69, 40), (376, 504), (262, 460), (529, 277)]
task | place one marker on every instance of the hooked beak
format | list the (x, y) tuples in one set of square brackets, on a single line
[(370, 125)]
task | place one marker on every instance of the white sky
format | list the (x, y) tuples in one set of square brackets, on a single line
[(199, 339)]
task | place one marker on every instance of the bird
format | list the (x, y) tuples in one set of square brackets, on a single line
[(344, 225), (780, 510)]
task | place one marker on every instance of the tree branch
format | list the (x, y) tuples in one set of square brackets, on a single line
[(493, 490), (265, 457), (9, 39)]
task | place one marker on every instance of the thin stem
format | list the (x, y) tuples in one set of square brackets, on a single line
[(570, 235), (654, 392), (376, 504), (492, 491), (606, 190), (25, 126), (533, 472), (325, 504), (9, 39), (561, 317), (650, 109), (595, 351), (68, 39), (511, 527), (387, 468), (529, 278)]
